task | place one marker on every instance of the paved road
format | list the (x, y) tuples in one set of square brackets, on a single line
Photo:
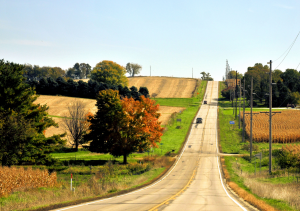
[(193, 184)]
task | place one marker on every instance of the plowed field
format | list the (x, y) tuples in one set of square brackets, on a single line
[(58, 106), (166, 87)]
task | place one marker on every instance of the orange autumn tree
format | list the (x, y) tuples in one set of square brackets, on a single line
[(121, 127)]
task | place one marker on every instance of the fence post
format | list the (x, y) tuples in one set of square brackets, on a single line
[(71, 181)]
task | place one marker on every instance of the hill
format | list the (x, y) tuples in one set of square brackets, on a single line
[(166, 87)]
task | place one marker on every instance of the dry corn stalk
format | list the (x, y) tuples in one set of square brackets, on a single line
[(12, 179)]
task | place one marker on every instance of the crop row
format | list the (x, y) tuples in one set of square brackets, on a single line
[(16, 179), (285, 127)]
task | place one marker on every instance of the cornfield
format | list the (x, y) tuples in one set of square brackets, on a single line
[(294, 149), (285, 127), (16, 179)]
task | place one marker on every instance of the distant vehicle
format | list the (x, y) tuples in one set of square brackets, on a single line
[(291, 105), (199, 120), (205, 102)]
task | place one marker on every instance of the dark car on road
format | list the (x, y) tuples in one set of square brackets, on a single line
[(205, 102), (199, 120)]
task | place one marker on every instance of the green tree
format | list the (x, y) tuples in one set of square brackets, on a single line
[(203, 75), (260, 81), (276, 75), (23, 123), (291, 79), (294, 98), (206, 76), (109, 72), (133, 69), (121, 127), (105, 125), (233, 74)]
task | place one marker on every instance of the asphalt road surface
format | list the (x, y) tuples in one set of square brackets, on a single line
[(193, 183)]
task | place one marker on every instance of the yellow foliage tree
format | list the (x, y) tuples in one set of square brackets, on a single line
[(109, 72)]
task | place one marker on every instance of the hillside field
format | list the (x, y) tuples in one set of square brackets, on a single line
[(58, 107), (164, 87)]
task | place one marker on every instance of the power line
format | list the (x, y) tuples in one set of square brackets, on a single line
[(288, 51), (297, 66), (283, 52)]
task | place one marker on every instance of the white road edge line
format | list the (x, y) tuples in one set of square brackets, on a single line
[(145, 187), (218, 161)]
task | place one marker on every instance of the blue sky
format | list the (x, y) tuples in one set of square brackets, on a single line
[(170, 36)]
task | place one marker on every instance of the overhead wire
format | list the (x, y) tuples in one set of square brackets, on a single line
[(297, 66), (291, 46)]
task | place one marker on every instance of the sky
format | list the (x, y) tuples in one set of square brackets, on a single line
[(175, 38)]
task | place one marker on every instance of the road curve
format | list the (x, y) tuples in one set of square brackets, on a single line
[(194, 183)]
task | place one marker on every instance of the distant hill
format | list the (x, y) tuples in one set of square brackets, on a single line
[(165, 87)]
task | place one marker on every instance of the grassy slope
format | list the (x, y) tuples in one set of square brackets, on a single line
[(231, 142)]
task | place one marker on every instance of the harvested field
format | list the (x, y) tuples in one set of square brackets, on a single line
[(58, 106), (285, 127), (166, 112), (166, 87)]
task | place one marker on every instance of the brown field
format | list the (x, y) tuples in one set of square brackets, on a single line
[(285, 127), (14, 179), (58, 106), (166, 87)]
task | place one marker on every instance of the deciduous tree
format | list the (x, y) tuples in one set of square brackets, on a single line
[(109, 72), (76, 122), (121, 127), (133, 69)]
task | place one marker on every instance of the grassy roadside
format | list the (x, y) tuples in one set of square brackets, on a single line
[(94, 176), (241, 174)]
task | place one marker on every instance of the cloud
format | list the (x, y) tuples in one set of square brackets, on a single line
[(27, 42), (284, 6)]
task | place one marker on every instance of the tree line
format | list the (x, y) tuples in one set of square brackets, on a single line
[(285, 88), (78, 71), (71, 88)]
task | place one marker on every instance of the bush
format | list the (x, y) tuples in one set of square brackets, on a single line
[(287, 160), (247, 147)]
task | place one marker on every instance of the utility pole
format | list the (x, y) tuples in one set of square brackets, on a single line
[(236, 92), (251, 104), (192, 73), (270, 124), (150, 70), (240, 105), (244, 110), (233, 96)]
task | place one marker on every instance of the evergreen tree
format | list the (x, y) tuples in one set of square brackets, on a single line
[(144, 91), (22, 123), (134, 93)]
